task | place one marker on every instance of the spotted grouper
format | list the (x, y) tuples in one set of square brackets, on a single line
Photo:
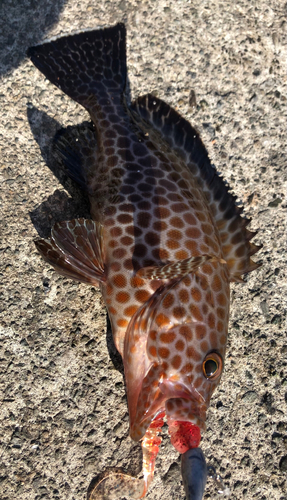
[(163, 243)]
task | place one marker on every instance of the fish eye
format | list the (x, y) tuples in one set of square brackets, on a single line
[(212, 366)]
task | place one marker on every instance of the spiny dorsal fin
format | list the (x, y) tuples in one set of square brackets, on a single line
[(75, 250), (185, 140)]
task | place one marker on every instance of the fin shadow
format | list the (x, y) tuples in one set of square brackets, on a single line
[(113, 353), (59, 206), (24, 24)]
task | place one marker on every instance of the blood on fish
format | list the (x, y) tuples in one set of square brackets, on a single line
[(184, 435)]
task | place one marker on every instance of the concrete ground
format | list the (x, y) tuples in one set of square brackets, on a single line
[(63, 416)]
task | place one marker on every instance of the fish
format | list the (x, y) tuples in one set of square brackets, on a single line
[(163, 243)]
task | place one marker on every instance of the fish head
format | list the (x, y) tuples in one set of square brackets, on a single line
[(175, 351)]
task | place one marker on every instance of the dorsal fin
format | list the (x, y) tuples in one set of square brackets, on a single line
[(185, 140)]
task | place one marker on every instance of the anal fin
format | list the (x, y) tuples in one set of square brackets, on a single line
[(75, 250)]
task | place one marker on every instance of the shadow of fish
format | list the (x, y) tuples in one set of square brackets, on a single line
[(164, 241)]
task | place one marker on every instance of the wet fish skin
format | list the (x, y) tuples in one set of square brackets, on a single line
[(163, 244)]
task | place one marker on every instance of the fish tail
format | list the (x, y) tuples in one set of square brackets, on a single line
[(91, 63)]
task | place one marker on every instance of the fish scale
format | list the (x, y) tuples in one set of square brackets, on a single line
[(164, 241)]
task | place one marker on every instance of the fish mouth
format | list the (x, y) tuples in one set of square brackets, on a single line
[(179, 402), (184, 403)]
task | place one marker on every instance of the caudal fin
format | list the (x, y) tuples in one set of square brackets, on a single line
[(91, 63)]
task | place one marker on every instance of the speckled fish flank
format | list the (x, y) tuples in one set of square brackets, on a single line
[(164, 242)]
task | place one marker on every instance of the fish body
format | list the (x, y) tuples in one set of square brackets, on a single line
[(164, 241)]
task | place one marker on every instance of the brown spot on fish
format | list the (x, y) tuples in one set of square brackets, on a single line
[(192, 232), (195, 294), (160, 226), (153, 334), (179, 207), (122, 323), (130, 311), (128, 265), (183, 295), (195, 312), (115, 232), (136, 282), (168, 337), (178, 312), (186, 369), (152, 351), (189, 219), (179, 345), (220, 313), (162, 320), (115, 267), (119, 253), (176, 222), (126, 241), (221, 299), (142, 295), (200, 331), (143, 219), (192, 246), (122, 297), (109, 222), (152, 239), (163, 352), (124, 218), (181, 255), (204, 346), (176, 362), (119, 280), (216, 284), (161, 212), (168, 300), (163, 254), (186, 332), (172, 244)]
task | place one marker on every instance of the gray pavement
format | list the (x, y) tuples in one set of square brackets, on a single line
[(63, 416)]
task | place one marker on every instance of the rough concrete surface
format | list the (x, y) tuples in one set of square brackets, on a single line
[(63, 416)]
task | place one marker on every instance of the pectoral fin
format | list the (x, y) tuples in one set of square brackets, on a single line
[(75, 250), (177, 270)]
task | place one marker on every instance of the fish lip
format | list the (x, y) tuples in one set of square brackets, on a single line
[(169, 390), (199, 407)]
